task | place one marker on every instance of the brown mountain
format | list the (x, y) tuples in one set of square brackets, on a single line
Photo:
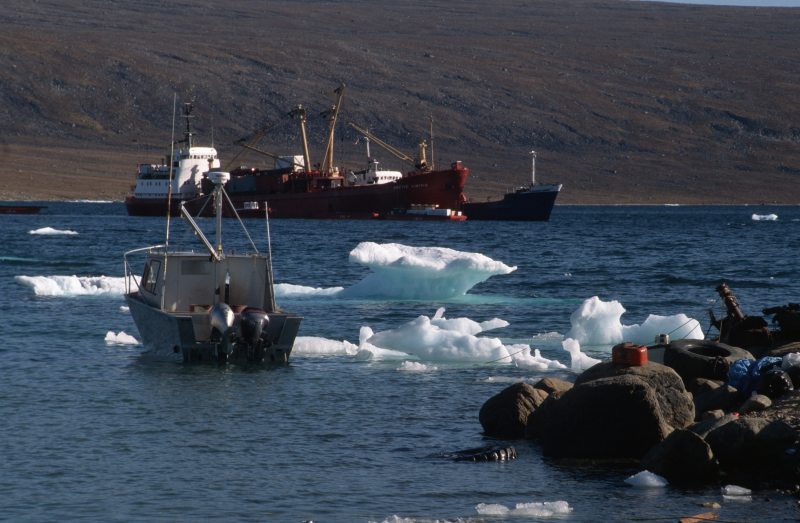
[(623, 101)]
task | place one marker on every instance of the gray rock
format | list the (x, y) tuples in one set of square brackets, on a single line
[(551, 385), (613, 417), (733, 441), (505, 414), (683, 458), (675, 403), (725, 398), (702, 428), (755, 403)]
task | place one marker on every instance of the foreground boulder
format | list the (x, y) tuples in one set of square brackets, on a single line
[(675, 404), (505, 414), (613, 417)]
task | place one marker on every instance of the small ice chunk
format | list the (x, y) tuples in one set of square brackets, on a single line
[(646, 479), (735, 491), (578, 360), (415, 366), (764, 217), (491, 509), (49, 231), (120, 338)]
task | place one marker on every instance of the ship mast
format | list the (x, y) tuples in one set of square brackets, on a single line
[(533, 168), (332, 114), (187, 113), (300, 113)]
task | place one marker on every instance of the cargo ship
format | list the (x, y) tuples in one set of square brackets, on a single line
[(533, 202), (174, 180), (293, 190)]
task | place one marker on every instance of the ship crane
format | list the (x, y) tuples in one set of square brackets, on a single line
[(397, 152), (332, 114)]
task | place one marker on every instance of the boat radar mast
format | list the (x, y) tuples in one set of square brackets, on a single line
[(533, 168)]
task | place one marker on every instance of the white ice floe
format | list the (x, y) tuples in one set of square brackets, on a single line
[(289, 290), (442, 339), (415, 366), (764, 217), (579, 361), (736, 493), (415, 273), (312, 345), (646, 479), (538, 510), (49, 231), (73, 285), (120, 338), (597, 322)]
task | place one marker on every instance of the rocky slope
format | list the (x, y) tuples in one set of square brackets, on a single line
[(628, 102)]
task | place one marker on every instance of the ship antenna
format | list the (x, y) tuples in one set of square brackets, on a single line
[(433, 158), (533, 168), (269, 259), (169, 195)]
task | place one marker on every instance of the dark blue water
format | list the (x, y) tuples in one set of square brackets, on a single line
[(93, 431)]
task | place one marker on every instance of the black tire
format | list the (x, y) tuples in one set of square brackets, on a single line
[(702, 359), (489, 453)]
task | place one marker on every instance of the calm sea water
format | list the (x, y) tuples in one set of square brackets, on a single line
[(93, 431)]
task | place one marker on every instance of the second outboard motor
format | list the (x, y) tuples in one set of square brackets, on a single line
[(253, 323)]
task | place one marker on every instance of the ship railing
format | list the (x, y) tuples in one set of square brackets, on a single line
[(129, 276)]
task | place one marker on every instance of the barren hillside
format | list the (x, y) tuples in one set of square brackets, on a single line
[(623, 101)]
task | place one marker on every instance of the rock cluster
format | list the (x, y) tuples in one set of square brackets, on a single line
[(702, 435)]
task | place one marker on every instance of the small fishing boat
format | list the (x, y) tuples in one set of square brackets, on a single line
[(424, 213), (209, 305), (20, 208)]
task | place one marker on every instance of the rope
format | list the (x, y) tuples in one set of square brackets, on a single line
[(510, 355)]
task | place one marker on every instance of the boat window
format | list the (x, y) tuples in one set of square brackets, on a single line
[(150, 276)]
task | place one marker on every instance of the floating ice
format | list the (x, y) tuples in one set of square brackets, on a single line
[(765, 217), (735, 491), (124, 308), (73, 285), (120, 338), (579, 361), (597, 322), (646, 479), (539, 510), (289, 290), (440, 339), (312, 345), (49, 231), (415, 366), (417, 273)]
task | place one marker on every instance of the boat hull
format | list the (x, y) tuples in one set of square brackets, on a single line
[(251, 193), (173, 336), (525, 205), (20, 209), (152, 206)]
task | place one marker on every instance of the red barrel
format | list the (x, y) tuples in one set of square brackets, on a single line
[(629, 354)]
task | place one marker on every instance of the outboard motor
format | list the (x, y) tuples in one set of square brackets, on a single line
[(253, 327), (222, 319)]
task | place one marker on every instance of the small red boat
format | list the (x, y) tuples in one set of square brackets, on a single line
[(20, 208)]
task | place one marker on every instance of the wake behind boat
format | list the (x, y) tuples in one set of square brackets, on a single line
[(209, 306)]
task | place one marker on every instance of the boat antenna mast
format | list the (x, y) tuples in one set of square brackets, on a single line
[(169, 195), (533, 168), (187, 113), (433, 160)]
